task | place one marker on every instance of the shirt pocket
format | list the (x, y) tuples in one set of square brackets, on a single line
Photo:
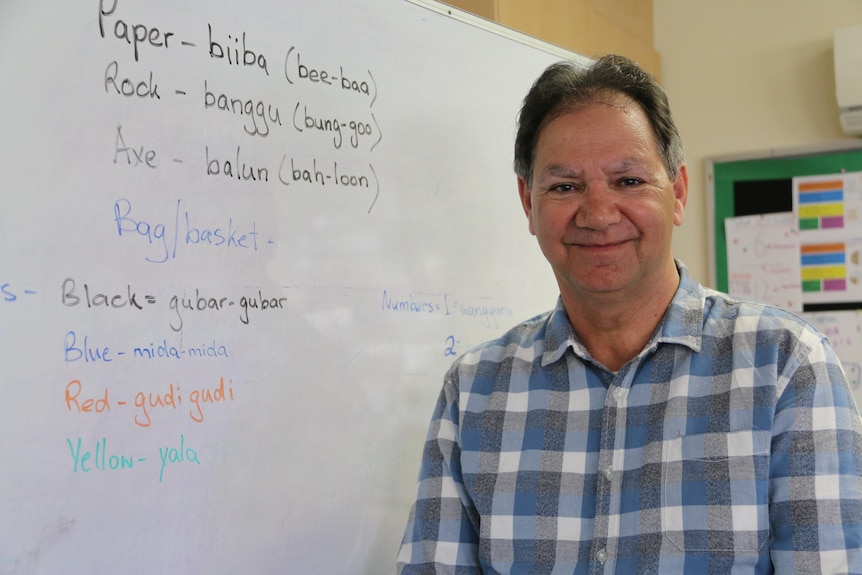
[(715, 491)]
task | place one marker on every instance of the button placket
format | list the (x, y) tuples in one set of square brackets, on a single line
[(608, 497)]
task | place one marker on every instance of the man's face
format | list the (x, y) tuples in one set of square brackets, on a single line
[(601, 203)]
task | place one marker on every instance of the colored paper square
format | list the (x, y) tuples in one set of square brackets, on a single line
[(835, 285), (832, 222)]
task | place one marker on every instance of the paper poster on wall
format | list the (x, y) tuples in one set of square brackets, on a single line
[(844, 331), (828, 212), (763, 259)]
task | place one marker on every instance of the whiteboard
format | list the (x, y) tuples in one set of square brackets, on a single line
[(239, 247)]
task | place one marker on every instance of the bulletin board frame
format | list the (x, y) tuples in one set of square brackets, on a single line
[(723, 172)]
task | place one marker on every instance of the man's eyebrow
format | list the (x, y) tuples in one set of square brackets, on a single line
[(627, 165), (559, 171)]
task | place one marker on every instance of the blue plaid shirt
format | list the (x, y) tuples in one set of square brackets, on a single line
[(730, 444)]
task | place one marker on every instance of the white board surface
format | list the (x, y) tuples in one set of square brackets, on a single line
[(239, 246)]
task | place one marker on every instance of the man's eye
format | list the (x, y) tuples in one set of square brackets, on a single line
[(563, 188), (628, 182)]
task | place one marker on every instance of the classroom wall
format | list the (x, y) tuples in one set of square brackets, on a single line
[(743, 77), (588, 27)]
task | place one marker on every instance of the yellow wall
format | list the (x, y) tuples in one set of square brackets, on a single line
[(588, 27), (746, 77)]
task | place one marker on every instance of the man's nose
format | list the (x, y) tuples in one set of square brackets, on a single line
[(598, 207)]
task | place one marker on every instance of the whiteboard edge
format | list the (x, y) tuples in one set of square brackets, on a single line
[(500, 30)]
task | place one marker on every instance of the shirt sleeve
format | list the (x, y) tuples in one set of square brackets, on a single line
[(816, 469), (442, 530)]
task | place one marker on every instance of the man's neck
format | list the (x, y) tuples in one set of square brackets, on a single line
[(615, 327)]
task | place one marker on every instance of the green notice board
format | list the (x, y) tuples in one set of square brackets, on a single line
[(735, 181)]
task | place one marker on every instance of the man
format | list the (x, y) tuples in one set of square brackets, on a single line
[(646, 424)]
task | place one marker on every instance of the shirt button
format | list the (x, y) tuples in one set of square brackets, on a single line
[(601, 555), (619, 392), (608, 473)]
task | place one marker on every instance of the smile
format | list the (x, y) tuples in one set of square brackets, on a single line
[(598, 246)]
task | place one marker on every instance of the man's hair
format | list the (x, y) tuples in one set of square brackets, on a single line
[(565, 86)]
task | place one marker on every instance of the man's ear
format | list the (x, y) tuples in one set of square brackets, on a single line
[(680, 195), (526, 202)]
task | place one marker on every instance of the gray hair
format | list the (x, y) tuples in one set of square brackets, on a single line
[(564, 86)]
